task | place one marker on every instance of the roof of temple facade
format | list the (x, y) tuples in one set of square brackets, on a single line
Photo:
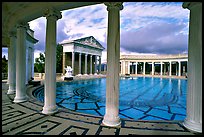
[(86, 41)]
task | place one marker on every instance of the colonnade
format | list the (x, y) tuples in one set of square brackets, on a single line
[(193, 119), (126, 65), (26, 53), (94, 63)]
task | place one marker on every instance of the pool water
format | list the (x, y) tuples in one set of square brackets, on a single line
[(140, 98)]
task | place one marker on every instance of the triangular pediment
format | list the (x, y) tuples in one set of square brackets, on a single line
[(89, 41)]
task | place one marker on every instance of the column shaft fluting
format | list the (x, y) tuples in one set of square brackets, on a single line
[(169, 68), (111, 117), (73, 59), (90, 64), (179, 70), (144, 68), (95, 65), (63, 62), (161, 68), (79, 64), (136, 68), (85, 72), (152, 68), (50, 106), (193, 119), (99, 70), (21, 64)]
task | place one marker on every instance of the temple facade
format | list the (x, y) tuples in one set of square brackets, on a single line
[(83, 55)]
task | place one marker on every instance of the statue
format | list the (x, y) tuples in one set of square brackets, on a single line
[(68, 74), (68, 71)]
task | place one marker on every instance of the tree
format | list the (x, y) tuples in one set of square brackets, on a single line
[(4, 65), (59, 54), (39, 65)]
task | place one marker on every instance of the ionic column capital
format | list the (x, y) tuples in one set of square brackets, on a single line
[(190, 5), (52, 13), (114, 5)]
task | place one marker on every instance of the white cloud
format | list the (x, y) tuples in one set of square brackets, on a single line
[(136, 16)]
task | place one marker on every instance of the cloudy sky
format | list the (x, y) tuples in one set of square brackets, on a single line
[(146, 27)]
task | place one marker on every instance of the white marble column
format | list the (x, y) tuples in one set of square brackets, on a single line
[(27, 43), (136, 68), (8, 68), (144, 68), (193, 119), (32, 63), (21, 64), (111, 117), (161, 68), (85, 72), (128, 66), (29, 62), (132, 71), (12, 64), (79, 64), (73, 59), (152, 68), (164, 68), (99, 71), (95, 66), (169, 68), (91, 64), (63, 62), (50, 106)]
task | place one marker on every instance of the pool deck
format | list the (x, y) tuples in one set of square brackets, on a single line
[(27, 119)]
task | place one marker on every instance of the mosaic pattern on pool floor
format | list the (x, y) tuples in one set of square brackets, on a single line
[(141, 98)]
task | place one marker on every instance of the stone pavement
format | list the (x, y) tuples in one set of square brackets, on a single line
[(26, 119)]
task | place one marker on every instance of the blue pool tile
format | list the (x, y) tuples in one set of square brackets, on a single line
[(101, 111), (133, 113), (142, 108), (179, 117), (86, 100), (160, 113), (71, 100), (178, 110), (93, 112), (162, 108), (151, 118), (69, 105), (86, 106), (58, 100)]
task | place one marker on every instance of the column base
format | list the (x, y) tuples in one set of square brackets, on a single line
[(50, 110), (78, 75), (95, 74), (196, 127), (85, 74), (21, 99), (10, 91), (90, 74), (111, 122)]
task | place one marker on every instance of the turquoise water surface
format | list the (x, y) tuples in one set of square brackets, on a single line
[(141, 98)]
